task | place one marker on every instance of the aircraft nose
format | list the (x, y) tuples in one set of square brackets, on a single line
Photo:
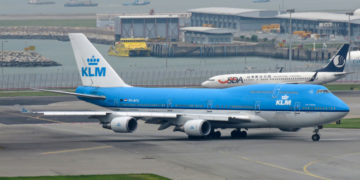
[(341, 105), (205, 84)]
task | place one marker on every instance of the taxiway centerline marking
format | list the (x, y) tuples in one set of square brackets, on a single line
[(282, 168), (305, 168), (76, 150)]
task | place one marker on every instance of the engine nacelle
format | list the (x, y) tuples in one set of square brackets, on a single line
[(290, 129), (123, 124), (197, 127)]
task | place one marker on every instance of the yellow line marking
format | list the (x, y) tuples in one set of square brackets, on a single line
[(280, 167), (76, 150), (305, 168)]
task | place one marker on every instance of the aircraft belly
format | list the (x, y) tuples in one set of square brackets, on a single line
[(292, 119)]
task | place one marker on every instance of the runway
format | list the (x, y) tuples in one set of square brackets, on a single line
[(32, 145)]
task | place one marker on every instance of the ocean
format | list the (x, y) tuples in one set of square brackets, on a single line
[(9, 7)]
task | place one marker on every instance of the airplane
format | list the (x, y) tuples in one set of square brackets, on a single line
[(332, 72), (198, 112), (354, 57)]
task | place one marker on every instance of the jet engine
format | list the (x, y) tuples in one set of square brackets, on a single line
[(290, 129), (197, 127), (123, 124)]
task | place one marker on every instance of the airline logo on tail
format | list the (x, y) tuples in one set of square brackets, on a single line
[(92, 70), (339, 61)]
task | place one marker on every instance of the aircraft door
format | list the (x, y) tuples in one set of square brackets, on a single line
[(116, 101), (169, 104), (257, 106), (276, 91), (209, 105), (297, 107)]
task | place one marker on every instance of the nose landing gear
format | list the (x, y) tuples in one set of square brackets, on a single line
[(316, 136)]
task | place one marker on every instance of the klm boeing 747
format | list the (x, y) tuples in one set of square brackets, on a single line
[(197, 112)]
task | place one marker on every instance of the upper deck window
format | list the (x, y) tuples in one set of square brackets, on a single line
[(322, 91)]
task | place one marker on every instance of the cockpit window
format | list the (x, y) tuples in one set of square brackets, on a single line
[(322, 91)]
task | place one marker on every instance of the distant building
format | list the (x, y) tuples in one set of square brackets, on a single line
[(251, 20), (159, 26), (322, 23), (239, 20), (207, 35)]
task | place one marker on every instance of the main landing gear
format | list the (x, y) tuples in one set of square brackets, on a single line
[(212, 135), (316, 136), (237, 133)]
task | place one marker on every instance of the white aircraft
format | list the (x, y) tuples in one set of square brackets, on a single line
[(354, 57), (198, 112), (332, 72)]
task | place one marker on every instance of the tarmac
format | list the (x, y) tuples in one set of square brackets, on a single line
[(35, 145)]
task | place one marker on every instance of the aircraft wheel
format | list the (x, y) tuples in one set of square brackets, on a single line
[(217, 134), (235, 134), (243, 134), (315, 137)]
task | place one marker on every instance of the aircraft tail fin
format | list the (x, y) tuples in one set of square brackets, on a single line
[(338, 61), (94, 70)]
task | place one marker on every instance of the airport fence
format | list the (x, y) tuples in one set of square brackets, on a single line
[(151, 78)]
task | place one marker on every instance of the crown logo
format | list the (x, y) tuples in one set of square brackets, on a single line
[(285, 97), (93, 61)]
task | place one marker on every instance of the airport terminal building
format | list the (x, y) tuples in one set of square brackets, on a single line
[(157, 26), (207, 35), (322, 23), (232, 18), (251, 20)]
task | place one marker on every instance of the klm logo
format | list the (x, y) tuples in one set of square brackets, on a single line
[(285, 101), (92, 70)]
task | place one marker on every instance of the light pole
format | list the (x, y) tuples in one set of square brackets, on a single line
[(349, 30), (290, 11), (2, 55)]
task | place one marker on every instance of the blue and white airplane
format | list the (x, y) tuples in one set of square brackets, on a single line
[(333, 71), (197, 112)]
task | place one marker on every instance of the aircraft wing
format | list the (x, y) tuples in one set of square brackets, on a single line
[(235, 118), (104, 113)]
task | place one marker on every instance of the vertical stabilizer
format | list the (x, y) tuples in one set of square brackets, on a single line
[(337, 63), (94, 69)]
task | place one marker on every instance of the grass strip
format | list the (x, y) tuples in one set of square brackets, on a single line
[(92, 177), (341, 87), (345, 123)]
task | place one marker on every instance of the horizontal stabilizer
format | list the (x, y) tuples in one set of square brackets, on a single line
[(343, 74), (73, 94)]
